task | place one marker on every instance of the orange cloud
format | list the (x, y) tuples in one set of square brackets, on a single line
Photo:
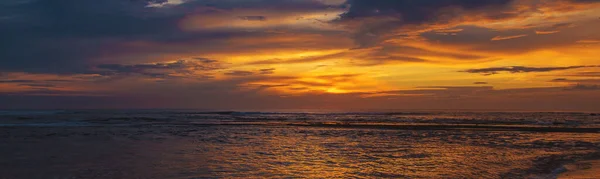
[(546, 32), (508, 37)]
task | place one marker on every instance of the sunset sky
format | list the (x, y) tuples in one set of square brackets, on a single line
[(301, 54)]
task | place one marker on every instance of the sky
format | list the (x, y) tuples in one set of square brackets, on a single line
[(526, 55)]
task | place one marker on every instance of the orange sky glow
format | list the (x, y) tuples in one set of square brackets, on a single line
[(326, 54)]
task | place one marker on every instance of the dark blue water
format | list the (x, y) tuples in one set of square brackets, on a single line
[(200, 144)]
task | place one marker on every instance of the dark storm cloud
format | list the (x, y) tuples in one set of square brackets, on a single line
[(277, 5), (58, 36), (417, 12), (520, 69), (407, 12), (62, 36), (410, 11)]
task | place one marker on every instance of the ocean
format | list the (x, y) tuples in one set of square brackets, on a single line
[(233, 144)]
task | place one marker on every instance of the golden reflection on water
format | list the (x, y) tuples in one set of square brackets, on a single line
[(115, 145), (284, 152), (350, 153)]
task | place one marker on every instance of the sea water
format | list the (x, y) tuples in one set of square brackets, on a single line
[(230, 144)]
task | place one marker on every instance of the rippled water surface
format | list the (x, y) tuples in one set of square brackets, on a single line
[(189, 144)]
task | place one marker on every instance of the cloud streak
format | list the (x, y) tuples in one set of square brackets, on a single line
[(178, 69), (520, 69), (497, 38)]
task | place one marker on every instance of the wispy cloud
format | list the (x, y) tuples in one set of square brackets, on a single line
[(181, 68), (541, 32), (497, 38), (520, 69)]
